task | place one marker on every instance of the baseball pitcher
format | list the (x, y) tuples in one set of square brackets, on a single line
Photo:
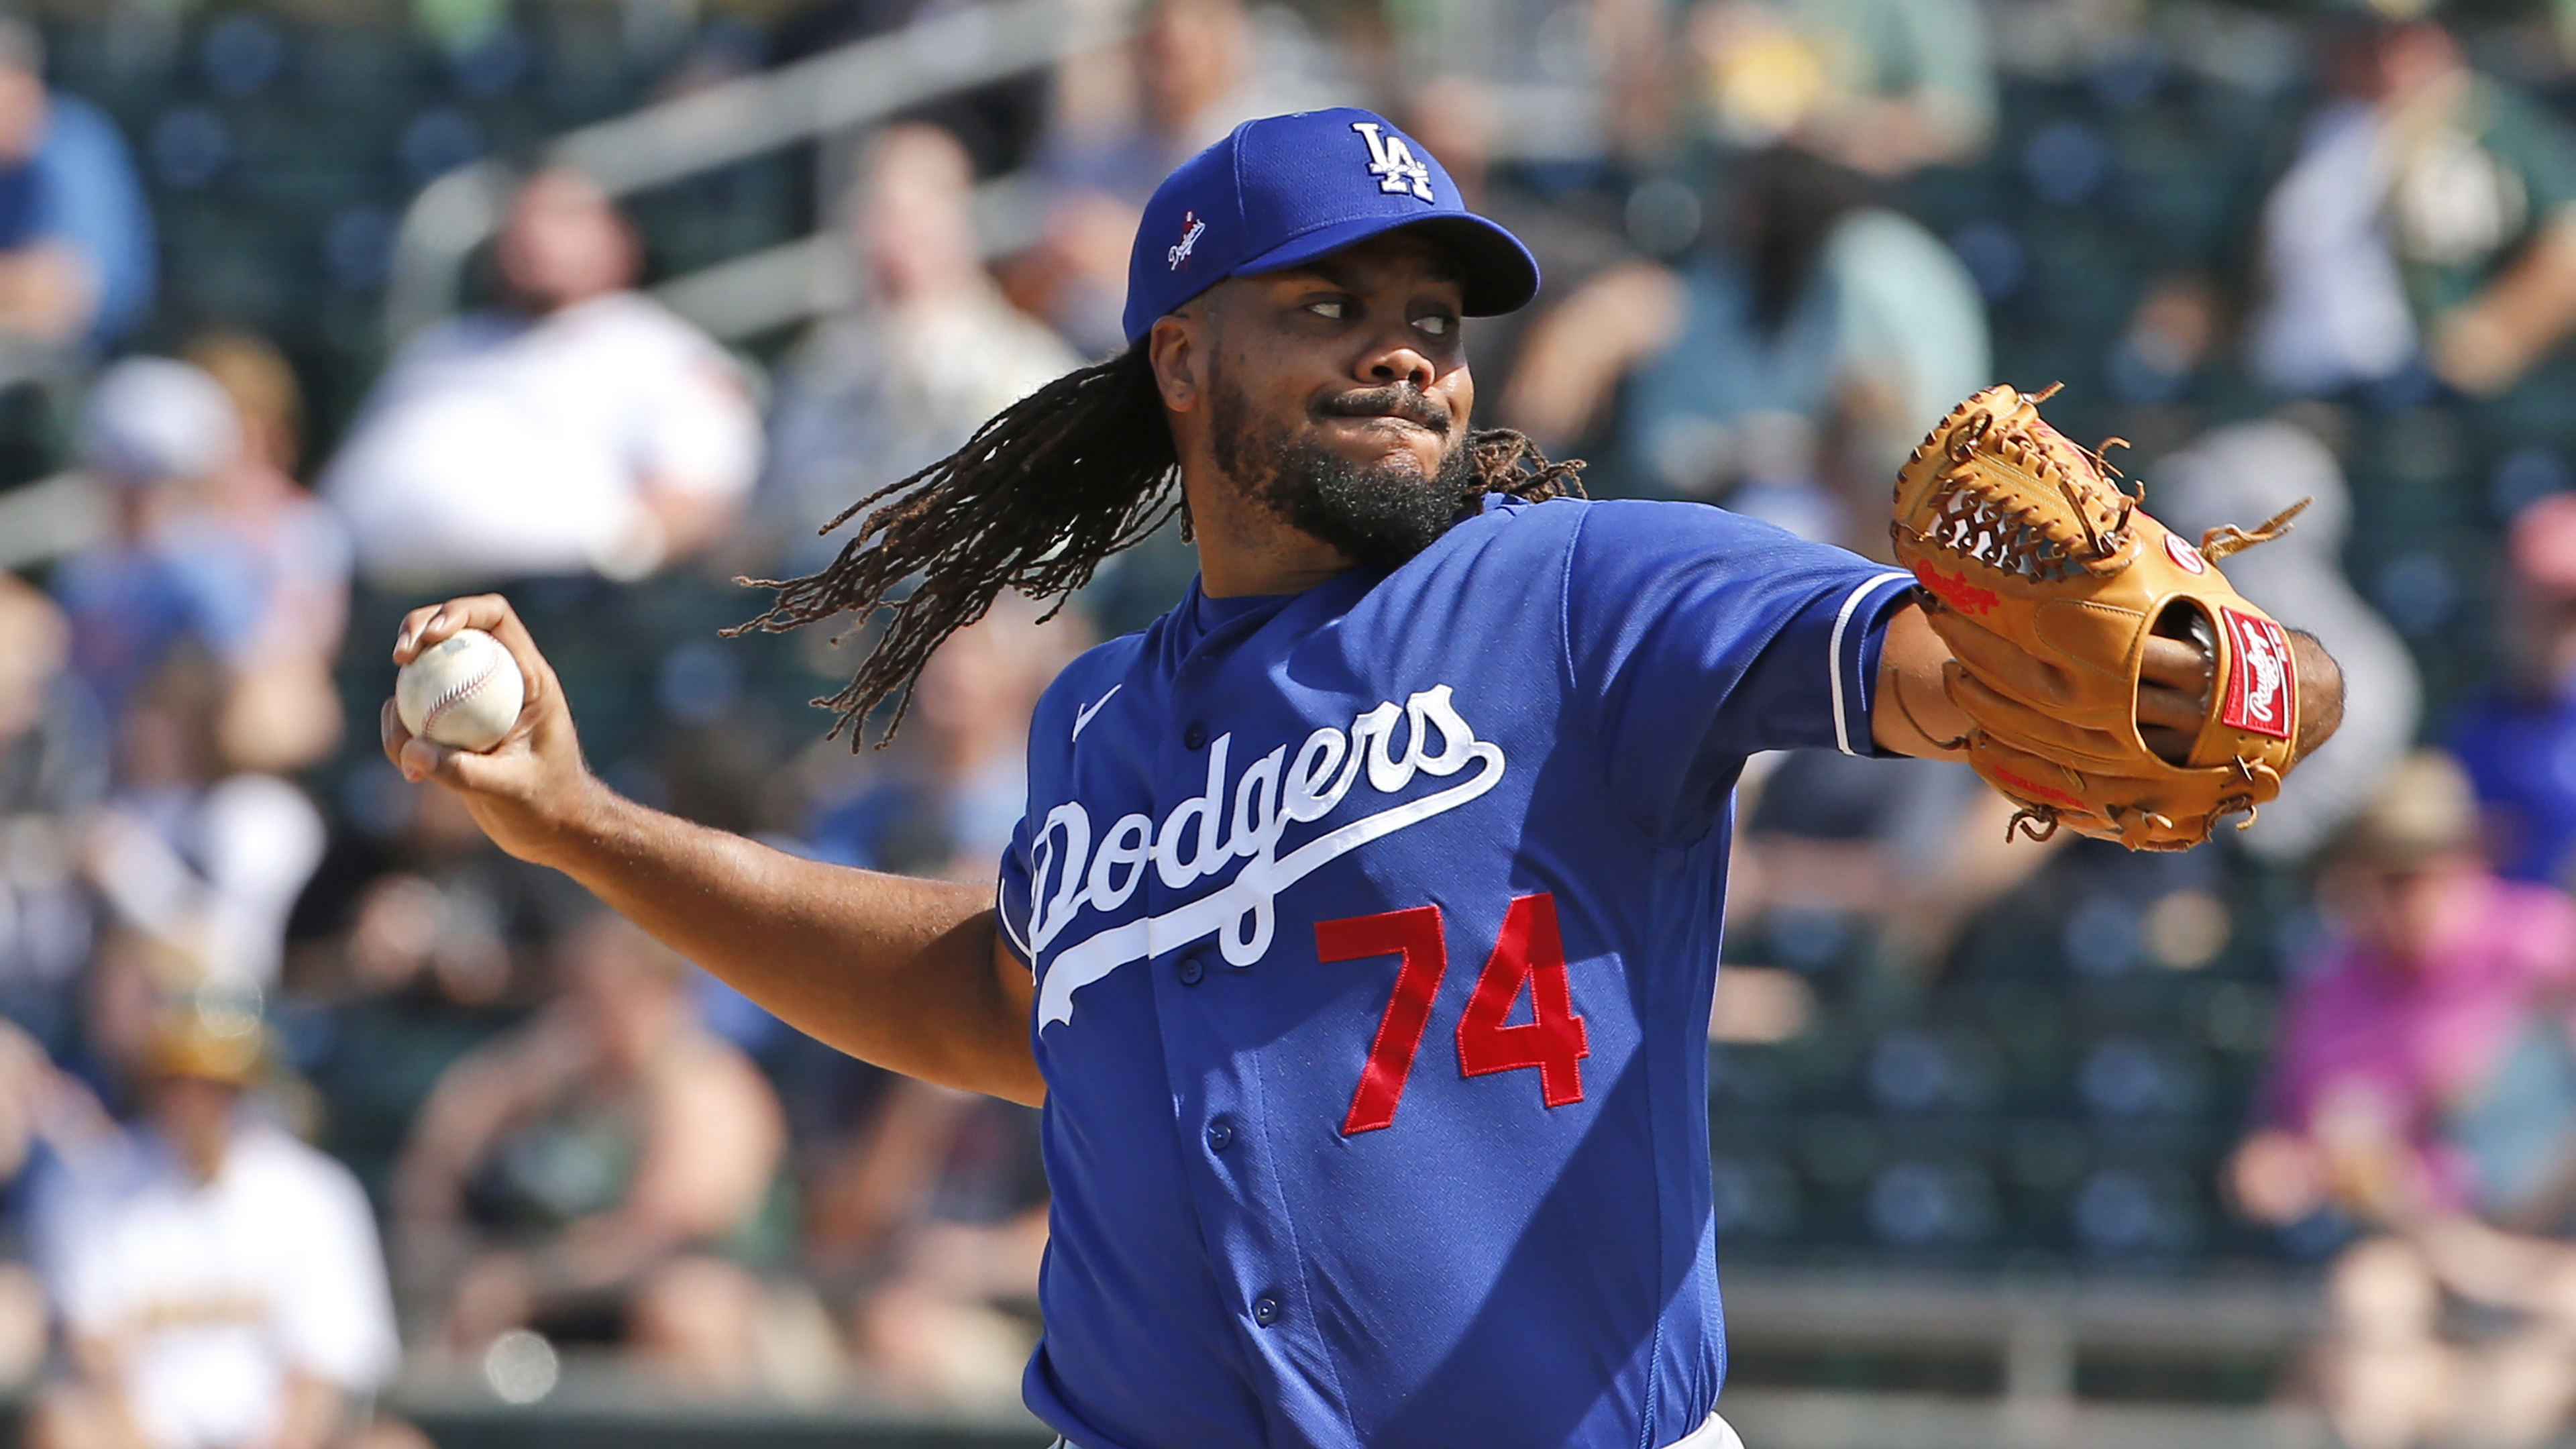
[(1359, 934)]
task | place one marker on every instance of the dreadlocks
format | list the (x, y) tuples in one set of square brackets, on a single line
[(1040, 497)]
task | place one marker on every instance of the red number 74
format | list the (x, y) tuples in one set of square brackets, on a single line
[(1530, 952)]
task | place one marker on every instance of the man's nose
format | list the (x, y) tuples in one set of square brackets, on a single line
[(1398, 363)]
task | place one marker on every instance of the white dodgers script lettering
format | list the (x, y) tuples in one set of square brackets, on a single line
[(1218, 826)]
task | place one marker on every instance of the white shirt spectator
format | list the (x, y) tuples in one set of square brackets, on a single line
[(871, 397), (499, 445), (2337, 312), (215, 871), (217, 1292)]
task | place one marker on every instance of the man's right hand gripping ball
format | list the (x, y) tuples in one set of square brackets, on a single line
[(2047, 583), (528, 789)]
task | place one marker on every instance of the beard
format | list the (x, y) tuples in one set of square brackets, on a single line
[(1377, 514)]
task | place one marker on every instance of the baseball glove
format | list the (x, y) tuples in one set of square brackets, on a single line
[(2046, 580)]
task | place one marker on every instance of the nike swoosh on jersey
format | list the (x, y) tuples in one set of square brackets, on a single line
[(1082, 715)]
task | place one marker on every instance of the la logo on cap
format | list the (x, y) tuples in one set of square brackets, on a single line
[(1391, 161)]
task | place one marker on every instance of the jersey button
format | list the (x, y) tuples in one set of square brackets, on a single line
[(1195, 737), (1191, 971), (1265, 1310), (1220, 1135)]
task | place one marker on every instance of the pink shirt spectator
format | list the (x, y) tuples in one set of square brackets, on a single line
[(2408, 1044)]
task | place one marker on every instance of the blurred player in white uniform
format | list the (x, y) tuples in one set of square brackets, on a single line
[(219, 1285)]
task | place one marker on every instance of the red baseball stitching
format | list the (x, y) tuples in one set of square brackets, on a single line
[(445, 702)]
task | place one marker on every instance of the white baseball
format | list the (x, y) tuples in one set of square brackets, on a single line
[(464, 691)]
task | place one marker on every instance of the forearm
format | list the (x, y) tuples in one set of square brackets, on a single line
[(895, 971)]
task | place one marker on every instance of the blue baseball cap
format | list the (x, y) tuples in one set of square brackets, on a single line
[(1283, 190)]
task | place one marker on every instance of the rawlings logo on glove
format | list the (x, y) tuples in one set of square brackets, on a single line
[(2046, 581)]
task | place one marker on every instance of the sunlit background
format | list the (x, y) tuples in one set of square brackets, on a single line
[(324, 1123)]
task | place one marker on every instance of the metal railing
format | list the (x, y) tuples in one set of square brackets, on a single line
[(839, 91)]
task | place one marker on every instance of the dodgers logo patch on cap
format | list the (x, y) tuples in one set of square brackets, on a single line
[(1284, 190), (1191, 229)]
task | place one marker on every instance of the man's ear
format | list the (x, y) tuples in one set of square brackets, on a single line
[(1179, 358)]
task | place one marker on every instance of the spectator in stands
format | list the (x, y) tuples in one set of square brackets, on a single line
[(2428, 214), (410, 949), (605, 1174), (219, 1283), (931, 351), (49, 1124), (2411, 1048), (1190, 75), (929, 1205), (264, 392), (1909, 850), (156, 435), (301, 546), (2247, 473), (53, 773), (2424, 1081), (196, 852), (1461, 121), (76, 247), (950, 791), (998, 122), (1882, 86), (948, 1190), (211, 544), (2389, 1375), (292, 553), (1816, 339), (577, 429), (2518, 738)]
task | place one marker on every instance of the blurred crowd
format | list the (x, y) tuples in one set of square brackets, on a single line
[(303, 1086)]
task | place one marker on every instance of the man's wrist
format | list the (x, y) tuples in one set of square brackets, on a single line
[(591, 828)]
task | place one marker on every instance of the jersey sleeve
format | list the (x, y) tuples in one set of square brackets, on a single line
[(1011, 898), (1696, 638)]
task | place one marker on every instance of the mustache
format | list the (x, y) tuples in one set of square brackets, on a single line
[(1402, 401)]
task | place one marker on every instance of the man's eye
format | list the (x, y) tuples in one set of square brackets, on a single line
[(1332, 310), (1435, 324)]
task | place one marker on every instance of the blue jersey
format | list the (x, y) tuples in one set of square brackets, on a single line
[(1374, 930)]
